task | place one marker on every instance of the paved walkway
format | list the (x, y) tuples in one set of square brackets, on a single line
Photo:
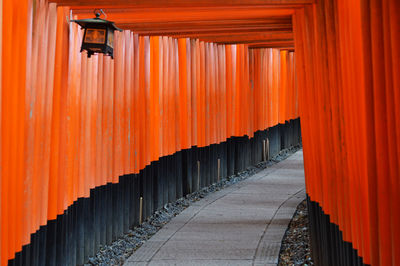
[(240, 225)]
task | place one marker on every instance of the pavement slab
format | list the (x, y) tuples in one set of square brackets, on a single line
[(240, 225)]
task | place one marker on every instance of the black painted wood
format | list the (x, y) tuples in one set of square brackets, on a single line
[(112, 209), (327, 244)]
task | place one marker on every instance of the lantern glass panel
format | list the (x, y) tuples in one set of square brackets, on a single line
[(110, 38), (95, 36)]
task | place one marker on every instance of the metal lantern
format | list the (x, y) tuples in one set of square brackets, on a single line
[(98, 36)]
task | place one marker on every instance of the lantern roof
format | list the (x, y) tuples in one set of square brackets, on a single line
[(96, 21)]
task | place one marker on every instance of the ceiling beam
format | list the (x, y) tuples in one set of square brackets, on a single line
[(281, 45), (241, 37), (271, 24), (257, 23), (205, 32), (256, 42), (159, 15), (177, 3)]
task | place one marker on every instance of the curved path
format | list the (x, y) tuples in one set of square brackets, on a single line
[(239, 225)]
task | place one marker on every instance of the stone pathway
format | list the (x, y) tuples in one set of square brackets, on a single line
[(240, 225)]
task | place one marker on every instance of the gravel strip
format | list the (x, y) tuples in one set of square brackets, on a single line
[(296, 246), (117, 252)]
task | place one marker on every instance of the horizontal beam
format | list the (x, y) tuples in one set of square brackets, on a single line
[(159, 15), (207, 32), (257, 26), (266, 47), (276, 43), (281, 23), (280, 45), (248, 37), (216, 35), (177, 3), (289, 49)]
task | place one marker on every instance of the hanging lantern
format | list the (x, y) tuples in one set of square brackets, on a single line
[(98, 36)]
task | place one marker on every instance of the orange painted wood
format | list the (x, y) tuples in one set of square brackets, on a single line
[(71, 123), (174, 3), (345, 60)]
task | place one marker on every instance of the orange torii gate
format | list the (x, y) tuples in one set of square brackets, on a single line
[(84, 123), (197, 76)]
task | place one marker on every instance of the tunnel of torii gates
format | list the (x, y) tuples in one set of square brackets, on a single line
[(195, 90)]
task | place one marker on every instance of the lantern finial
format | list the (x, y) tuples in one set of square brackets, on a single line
[(97, 12)]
